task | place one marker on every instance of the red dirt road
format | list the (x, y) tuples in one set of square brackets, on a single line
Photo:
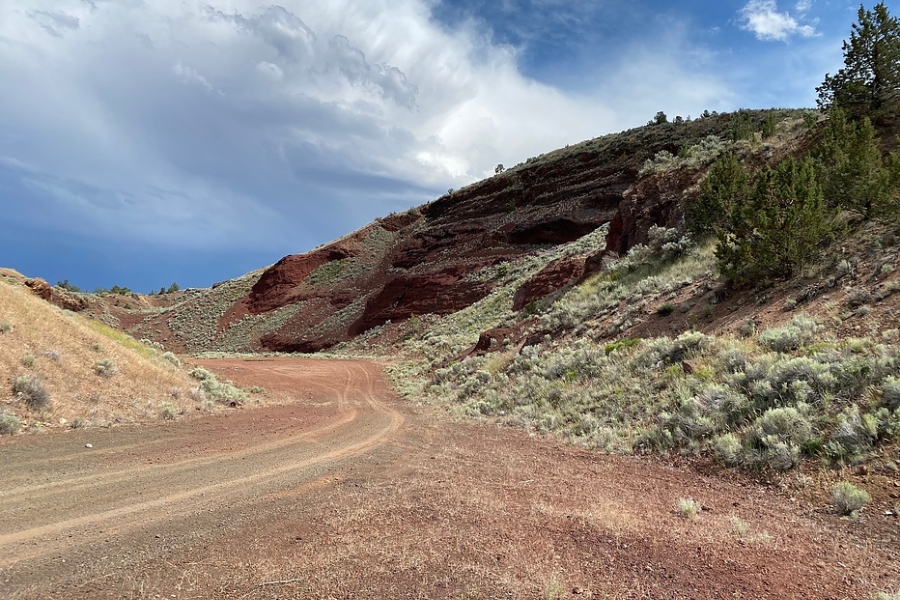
[(350, 493)]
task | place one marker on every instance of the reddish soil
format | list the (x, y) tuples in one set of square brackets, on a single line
[(348, 493)]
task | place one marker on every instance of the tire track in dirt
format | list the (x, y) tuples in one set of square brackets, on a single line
[(361, 422)]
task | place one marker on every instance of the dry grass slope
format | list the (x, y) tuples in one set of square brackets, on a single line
[(92, 374)]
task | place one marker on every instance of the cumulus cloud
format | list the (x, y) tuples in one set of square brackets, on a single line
[(761, 17), (325, 114)]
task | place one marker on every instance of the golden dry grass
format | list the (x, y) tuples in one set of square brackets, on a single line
[(63, 350)]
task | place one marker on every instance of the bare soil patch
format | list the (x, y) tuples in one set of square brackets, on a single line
[(349, 493)]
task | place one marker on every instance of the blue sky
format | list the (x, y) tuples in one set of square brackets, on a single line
[(143, 143)]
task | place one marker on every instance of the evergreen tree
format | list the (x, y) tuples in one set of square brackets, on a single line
[(768, 226), (721, 194), (869, 83), (854, 175), (781, 227)]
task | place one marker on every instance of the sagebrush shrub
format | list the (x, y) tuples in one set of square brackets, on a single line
[(9, 424), (168, 411), (171, 358), (855, 433), (105, 368), (890, 393), (728, 449), (688, 508), (848, 498), (201, 374), (800, 331), (32, 392)]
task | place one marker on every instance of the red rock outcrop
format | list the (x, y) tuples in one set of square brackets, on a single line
[(426, 260), (39, 288), (67, 301), (555, 276), (276, 286), (441, 292)]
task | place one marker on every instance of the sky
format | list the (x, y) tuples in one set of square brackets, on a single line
[(146, 142)]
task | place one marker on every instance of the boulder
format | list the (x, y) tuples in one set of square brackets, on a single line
[(39, 288)]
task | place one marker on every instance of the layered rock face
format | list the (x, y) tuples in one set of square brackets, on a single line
[(427, 260)]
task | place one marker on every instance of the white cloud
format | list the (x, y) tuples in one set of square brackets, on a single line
[(326, 111), (761, 17), (803, 6), (53, 22), (189, 75)]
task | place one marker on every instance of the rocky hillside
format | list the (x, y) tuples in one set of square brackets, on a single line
[(437, 259)]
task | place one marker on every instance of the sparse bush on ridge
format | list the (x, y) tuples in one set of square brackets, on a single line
[(213, 389), (9, 424), (700, 154), (105, 367), (168, 411), (688, 508), (848, 498), (32, 392)]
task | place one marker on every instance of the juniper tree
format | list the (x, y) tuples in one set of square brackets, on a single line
[(767, 226), (854, 174), (869, 83), (721, 194)]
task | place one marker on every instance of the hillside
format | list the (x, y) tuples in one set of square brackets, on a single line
[(553, 294), (62, 370), (437, 258)]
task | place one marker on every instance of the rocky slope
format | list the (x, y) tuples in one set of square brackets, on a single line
[(433, 259)]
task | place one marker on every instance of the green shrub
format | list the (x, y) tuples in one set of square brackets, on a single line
[(800, 331), (688, 508), (728, 449), (9, 424), (622, 344), (32, 392), (848, 498), (171, 358), (201, 374), (854, 174), (105, 368), (257, 390), (664, 310), (726, 185), (779, 227), (890, 393), (5, 327), (168, 411), (28, 360)]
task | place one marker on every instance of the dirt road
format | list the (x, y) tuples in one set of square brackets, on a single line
[(349, 493)]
